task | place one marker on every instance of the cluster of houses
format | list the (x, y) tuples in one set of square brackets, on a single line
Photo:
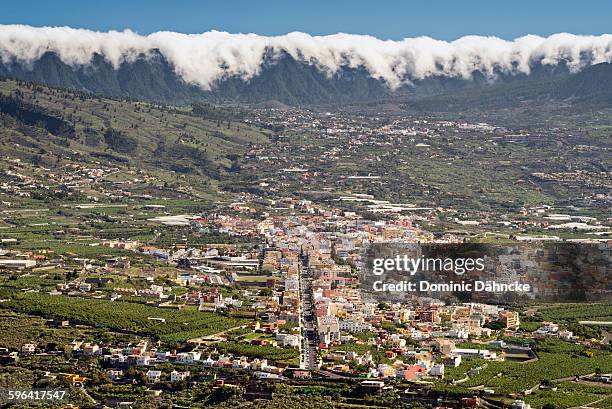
[(141, 355), (553, 330)]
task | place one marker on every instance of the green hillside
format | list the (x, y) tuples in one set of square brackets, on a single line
[(51, 127)]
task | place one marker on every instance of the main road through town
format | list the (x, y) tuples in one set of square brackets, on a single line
[(309, 355)]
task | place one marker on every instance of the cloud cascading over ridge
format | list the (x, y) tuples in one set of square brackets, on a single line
[(204, 58)]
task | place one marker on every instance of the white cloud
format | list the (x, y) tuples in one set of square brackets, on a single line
[(204, 58)]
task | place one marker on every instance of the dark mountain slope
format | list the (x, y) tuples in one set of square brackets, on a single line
[(293, 82), (151, 79), (591, 87), (154, 79)]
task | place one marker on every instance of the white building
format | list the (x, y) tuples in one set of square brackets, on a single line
[(84, 287), (163, 356), (548, 328), (176, 376), (354, 325), (519, 404), (28, 348), (291, 284), (208, 362), (188, 357), (266, 375), (115, 374), (288, 339), (437, 370), (480, 353), (90, 349), (154, 376), (17, 264), (329, 328), (240, 363)]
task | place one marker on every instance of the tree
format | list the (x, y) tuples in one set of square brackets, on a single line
[(495, 325)]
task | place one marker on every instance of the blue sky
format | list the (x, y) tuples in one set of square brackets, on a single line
[(442, 19)]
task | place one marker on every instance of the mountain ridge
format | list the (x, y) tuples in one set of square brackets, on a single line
[(288, 81)]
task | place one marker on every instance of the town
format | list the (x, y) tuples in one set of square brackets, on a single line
[(278, 299), (132, 284)]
